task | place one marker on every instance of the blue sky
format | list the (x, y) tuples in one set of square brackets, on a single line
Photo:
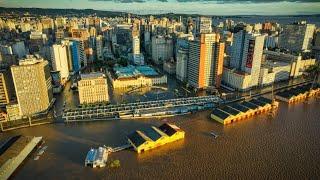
[(206, 7)]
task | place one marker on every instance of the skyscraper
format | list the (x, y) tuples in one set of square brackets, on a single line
[(59, 59), (205, 62), (297, 37), (135, 44), (162, 49), (32, 83), (245, 63)]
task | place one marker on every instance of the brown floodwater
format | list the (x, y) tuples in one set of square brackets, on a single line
[(285, 146)]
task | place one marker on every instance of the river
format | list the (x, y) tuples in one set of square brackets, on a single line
[(285, 146)]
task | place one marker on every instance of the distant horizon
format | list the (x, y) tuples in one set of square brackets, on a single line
[(164, 13), (202, 7)]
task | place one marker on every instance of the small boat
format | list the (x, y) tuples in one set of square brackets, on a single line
[(36, 158), (214, 134)]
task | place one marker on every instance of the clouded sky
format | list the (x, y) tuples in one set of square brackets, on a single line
[(206, 7)]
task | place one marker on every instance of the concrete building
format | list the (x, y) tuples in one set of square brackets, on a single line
[(246, 57), (93, 88), (204, 25), (135, 76), (154, 137), (182, 64), (59, 60), (205, 63), (297, 37), (162, 49), (4, 96), (137, 56), (32, 83), (299, 63), (99, 47), (19, 49)]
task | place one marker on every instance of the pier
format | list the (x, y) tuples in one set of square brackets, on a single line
[(16, 154), (116, 111)]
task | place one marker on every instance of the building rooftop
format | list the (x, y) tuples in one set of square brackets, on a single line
[(134, 71), (220, 114), (230, 110), (92, 75), (152, 133), (169, 129), (136, 138), (239, 107), (259, 103), (249, 105)]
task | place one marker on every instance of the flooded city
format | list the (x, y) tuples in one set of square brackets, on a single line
[(284, 145)]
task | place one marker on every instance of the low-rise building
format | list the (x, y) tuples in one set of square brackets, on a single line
[(154, 137), (93, 88), (135, 76)]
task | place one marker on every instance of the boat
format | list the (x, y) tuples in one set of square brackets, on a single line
[(97, 157), (214, 134), (36, 158)]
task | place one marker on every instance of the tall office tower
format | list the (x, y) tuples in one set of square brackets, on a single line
[(135, 44), (246, 54), (99, 47), (297, 37), (204, 25), (93, 88), (182, 64), (19, 49), (32, 83), (70, 54), (205, 62), (79, 58), (162, 49), (59, 59)]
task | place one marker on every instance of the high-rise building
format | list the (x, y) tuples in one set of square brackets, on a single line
[(297, 37), (32, 83), (93, 88), (59, 59), (205, 61), (78, 56), (245, 63), (162, 49), (204, 25), (19, 49), (182, 64), (135, 44), (99, 47)]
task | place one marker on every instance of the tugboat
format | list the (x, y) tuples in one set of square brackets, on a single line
[(214, 134)]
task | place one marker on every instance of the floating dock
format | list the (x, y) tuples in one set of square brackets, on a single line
[(297, 94), (239, 111), (154, 137), (14, 155)]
